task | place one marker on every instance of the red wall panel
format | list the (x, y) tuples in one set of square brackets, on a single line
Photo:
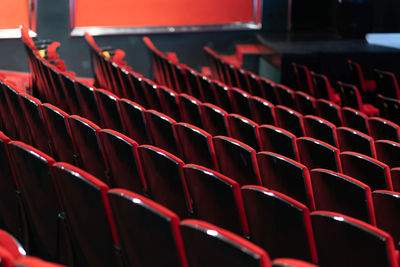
[(153, 13), (13, 13)]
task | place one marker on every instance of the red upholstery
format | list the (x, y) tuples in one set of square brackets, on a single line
[(216, 199), (34, 262), (244, 130), (41, 201), (352, 140), (279, 141), (383, 129), (8, 242), (237, 160), (351, 98), (285, 262), (345, 241), (340, 193), (367, 170), (164, 177), (286, 176), (289, 120), (304, 103), (125, 170), (323, 88), (284, 96), (317, 154), (149, 233), (204, 242), (388, 152), (262, 111), (279, 224), (355, 119), (320, 129), (85, 204), (196, 145)]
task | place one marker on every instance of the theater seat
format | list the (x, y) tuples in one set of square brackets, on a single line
[(262, 111), (357, 77), (162, 131), (190, 109), (368, 170), (216, 199), (323, 88), (236, 160), (56, 122), (329, 111), (386, 84), (304, 103), (303, 78), (134, 121), (344, 241), (351, 98), (222, 96), (10, 202), (88, 103), (279, 224), (87, 216), (386, 205), (169, 102), (109, 110), (90, 156), (122, 157), (286, 176), (32, 108), (148, 232), (284, 96), (388, 152), (355, 141), (320, 129), (355, 119), (240, 101), (196, 145), (165, 180), (214, 120), (244, 130), (289, 120), (341, 193), (317, 154), (278, 140), (382, 129), (208, 245), (40, 200)]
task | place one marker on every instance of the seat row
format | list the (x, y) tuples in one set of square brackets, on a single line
[(262, 112), (36, 106), (312, 85), (251, 107), (86, 210), (328, 156), (70, 136), (80, 195), (247, 132), (306, 104), (64, 209), (268, 169), (383, 91), (318, 85), (384, 83)]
